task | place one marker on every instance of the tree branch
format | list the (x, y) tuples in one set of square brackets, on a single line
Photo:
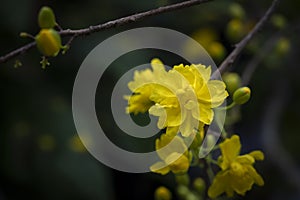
[(108, 25), (241, 45)]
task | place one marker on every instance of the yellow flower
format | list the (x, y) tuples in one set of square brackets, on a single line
[(186, 98), (142, 87), (175, 156), (182, 98), (237, 172)]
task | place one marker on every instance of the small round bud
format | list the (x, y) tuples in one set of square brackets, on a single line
[(233, 81), (235, 30), (241, 95), (283, 46), (183, 191), (278, 21), (199, 185), (192, 196), (216, 50), (23, 34), (183, 179), (210, 141), (236, 11), (162, 193), (46, 18), (48, 42)]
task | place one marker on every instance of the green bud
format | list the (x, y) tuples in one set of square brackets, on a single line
[(236, 11), (162, 193), (278, 21), (192, 196), (46, 18), (183, 179), (48, 42), (199, 185), (233, 81), (183, 191), (283, 46), (235, 30), (210, 141), (241, 95), (216, 50)]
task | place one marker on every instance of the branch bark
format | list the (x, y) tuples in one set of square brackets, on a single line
[(108, 25)]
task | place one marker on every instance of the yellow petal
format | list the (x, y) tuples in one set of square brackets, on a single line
[(217, 92), (241, 184), (189, 125), (157, 65), (158, 110), (204, 71), (139, 103), (220, 185), (174, 117), (256, 177), (160, 167), (164, 96), (178, 163), (206, 114), (257, 155), (172, 130), (186, 72), (245, 159), (230, 149), (174, 144)]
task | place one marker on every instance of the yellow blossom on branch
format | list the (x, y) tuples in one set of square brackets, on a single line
[(182, 98), (142, 86), (237, 172)]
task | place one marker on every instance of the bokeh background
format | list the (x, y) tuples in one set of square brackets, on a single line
[(41, 156)]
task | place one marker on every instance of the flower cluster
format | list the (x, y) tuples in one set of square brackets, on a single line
[(183, 98)]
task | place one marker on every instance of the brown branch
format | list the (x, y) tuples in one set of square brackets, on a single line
[(108, 25), (241, 45), (17, 52)]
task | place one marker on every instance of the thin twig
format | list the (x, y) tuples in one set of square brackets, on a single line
[(108, 25), (17, 52), (241, 45)]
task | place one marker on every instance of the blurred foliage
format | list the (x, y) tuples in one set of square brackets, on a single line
[(40, 154)]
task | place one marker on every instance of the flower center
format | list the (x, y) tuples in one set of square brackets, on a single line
[(237, 168), (187, 97)]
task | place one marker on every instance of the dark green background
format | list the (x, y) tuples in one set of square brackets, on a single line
[(37, 102)]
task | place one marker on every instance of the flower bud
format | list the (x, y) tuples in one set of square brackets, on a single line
[(236, 11), (182, 191), (162, 193), (48, 42), (183, 179), (232, 81), (235, 30), (46, 18), (210, 141), (283, 46), (278, 21), (241, 95), (216, 50), (199, 185)]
